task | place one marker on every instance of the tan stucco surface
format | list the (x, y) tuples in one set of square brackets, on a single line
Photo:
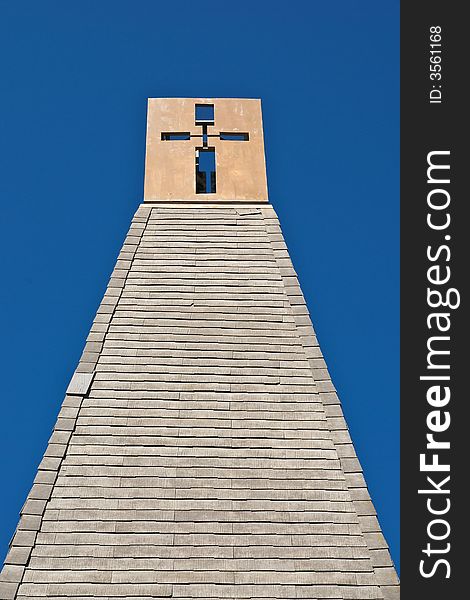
[(170, 165)]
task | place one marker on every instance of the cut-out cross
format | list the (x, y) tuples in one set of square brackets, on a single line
[(205, 176)]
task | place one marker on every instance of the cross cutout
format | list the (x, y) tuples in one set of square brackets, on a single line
[(205, 163)]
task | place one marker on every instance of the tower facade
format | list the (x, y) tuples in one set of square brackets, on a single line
[(201, 450)]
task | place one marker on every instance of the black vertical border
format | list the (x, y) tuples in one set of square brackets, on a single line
[(429, 127)]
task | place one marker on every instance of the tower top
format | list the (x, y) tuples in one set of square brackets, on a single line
[(205, 149)]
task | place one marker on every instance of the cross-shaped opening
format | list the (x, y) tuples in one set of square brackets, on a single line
[(205, 155)]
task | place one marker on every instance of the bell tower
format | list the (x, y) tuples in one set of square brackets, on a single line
[(201, 451)]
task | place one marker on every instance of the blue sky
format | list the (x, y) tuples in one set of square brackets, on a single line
[(75, 78)]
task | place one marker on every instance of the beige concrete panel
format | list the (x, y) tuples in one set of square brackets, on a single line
[(170, 165)]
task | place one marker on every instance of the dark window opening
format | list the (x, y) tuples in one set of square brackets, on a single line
[(204, 114), (170, 137), (236, 137), (200, 182), (205, 171)]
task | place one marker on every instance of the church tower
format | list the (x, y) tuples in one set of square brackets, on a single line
[(201, 450)]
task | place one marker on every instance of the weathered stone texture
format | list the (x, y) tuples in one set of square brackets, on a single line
[(201, 451)]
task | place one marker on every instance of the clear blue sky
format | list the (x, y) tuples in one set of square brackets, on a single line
[(74, 83)]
